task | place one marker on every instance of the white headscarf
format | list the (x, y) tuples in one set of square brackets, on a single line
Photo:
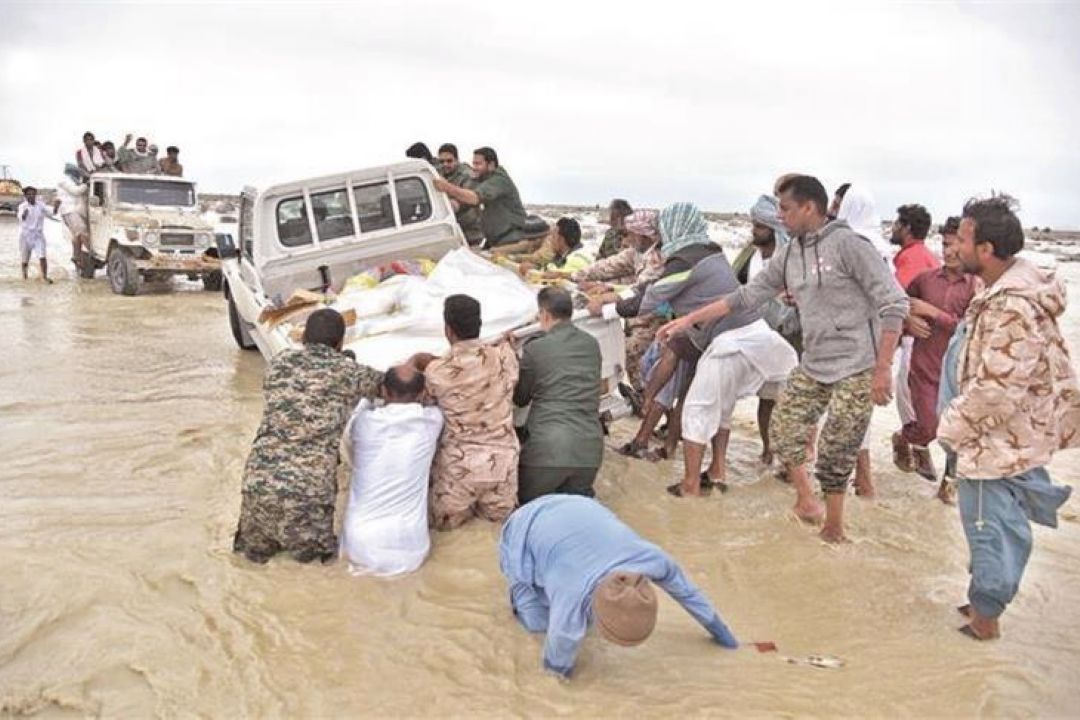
[(859, 211)]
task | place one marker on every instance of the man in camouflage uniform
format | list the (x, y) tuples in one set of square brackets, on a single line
[(461, 174), (290, 480), (475, 472)]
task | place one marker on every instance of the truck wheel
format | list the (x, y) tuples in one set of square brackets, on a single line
[(123, 275), (239, 332), (212, 281), (87, 268)]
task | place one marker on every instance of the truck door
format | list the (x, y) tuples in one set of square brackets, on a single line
[(98, 209), (247, 238)]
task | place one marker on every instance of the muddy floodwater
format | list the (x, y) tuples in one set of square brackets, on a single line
[(124, 425)]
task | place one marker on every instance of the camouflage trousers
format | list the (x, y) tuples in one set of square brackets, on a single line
[(802, 403), (640, 332), (271, 523)]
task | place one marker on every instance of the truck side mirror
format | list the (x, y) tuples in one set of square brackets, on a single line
[(226, 247), (95, 201)]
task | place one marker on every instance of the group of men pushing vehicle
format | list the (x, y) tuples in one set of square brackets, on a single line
[(809, 320)]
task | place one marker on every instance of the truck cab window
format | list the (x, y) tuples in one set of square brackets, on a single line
[(333, 218), (413, 200), (374, 206), (292, 223)]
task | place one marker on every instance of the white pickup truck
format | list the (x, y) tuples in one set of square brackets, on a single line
[(315, 233)]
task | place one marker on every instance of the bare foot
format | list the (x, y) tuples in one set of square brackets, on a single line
[(832, 534), (864, 488), (981, 628), (811, 511), (946, 493), (766, 457)]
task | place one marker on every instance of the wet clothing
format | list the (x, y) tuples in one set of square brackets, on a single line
[(468, 216), (640, 333), (951, 294), (534, 481), (1018, 400), (912, 261), (802, 403), (845, 295), (290, 479), (997, 513), (560, 380), (736, 364), (555, 550), (503, 214), (475, 469), (390, 448)]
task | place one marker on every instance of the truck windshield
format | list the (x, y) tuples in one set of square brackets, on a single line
[(155, 192)]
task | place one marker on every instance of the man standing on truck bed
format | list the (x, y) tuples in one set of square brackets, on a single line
[(170, 164), (290, 480), (503, 215)]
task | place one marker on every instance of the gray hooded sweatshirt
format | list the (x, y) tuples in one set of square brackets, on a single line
[(846, 296)]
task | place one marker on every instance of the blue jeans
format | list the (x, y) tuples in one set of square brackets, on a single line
[(997, 516)]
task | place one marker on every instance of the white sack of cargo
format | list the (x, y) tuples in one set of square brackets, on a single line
[(412, 320)]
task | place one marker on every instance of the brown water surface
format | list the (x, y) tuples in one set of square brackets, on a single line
[(124, 425)]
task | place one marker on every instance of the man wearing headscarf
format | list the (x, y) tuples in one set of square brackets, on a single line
[(476, 466), (851, 311), (767, 235), (71, 191), (858, 210), (570, 563), (637, 265), (695, 272)]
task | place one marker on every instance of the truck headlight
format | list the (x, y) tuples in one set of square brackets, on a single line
[(202, 239), (150, 238)]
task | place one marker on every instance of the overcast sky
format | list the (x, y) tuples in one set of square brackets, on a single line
[(656, 102)]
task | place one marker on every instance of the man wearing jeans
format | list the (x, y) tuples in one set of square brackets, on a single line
[(851, 311), (1012, 401)]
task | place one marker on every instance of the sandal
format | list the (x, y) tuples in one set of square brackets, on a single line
[(676, 490), (633, 450), (707, 483)]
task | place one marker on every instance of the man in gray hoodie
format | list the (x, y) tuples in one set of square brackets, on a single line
[(851, 310)]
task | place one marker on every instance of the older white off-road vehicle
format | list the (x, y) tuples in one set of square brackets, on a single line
[(147, 227), (315, 234)]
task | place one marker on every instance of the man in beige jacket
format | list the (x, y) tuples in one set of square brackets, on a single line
[(1012, 401)]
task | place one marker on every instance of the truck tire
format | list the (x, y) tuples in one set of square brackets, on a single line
[(123, 275), (211, 281), (239, 332), (87, 266)]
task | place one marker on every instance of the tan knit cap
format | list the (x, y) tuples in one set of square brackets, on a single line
[(624, 608)]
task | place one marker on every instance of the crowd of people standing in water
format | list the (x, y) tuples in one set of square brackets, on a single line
[(814, 317)]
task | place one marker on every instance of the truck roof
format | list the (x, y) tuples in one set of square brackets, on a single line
[(139, 176), (375, 172)]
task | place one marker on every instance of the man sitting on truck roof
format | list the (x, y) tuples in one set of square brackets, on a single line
[(503, 215), (290, 480), (140, 160), (475, 470), (170, 164)]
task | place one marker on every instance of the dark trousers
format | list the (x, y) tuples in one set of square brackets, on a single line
[(536, 481)]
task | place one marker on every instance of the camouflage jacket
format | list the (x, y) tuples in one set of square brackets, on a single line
[(611, 244), (1018, 399), (310, 394)]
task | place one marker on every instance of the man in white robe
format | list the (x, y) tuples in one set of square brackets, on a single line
[(390, 448)]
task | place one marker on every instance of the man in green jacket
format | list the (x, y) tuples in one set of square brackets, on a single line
[(559, 375), (460, 174), (503, 214)]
